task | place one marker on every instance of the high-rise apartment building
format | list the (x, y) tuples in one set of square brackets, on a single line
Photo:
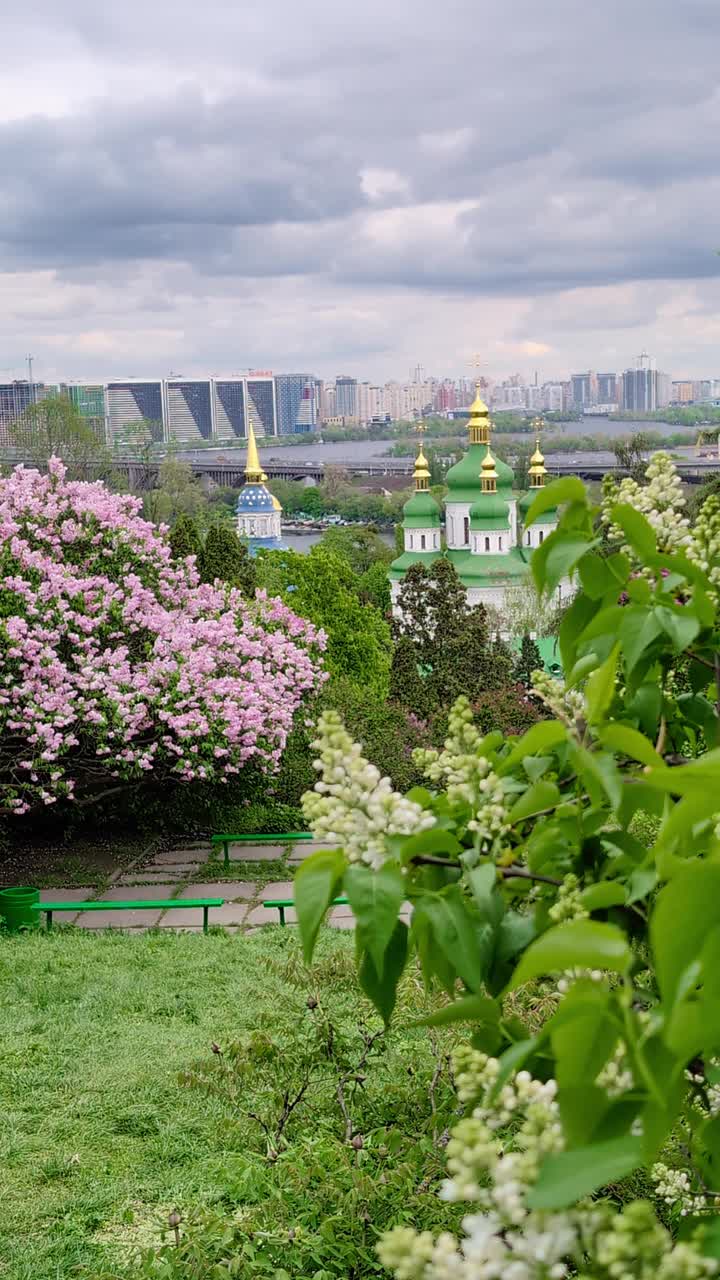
[(608, 388), (346, 397), (260, 393), (641, 385), (15, 398), (553, 397), (128, 403), (682, 392), (584, 389), (228, 406), (188, 409), (295, 400)]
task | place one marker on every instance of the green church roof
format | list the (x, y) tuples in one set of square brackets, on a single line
[(463, 479), (490, 511), (399, 567), (421, 511), (489, 570)]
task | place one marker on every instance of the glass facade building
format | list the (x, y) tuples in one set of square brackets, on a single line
[(295, 399), (189, 410), (15, 398), (346, 397)]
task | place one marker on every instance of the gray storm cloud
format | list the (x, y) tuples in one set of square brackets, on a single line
[(475, 149)]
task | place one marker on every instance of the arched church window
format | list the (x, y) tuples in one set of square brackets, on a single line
[(499, 544), (466, 538), (527, 538), (541, 535), (422, 541), (487, 544)]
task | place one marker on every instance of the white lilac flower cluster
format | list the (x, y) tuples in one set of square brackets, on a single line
[(352, 805), (469, 779), (661, 501), (674, 1187), (569, 904), (494, 1156), (704, 549), (616, 1077), (567, 705)]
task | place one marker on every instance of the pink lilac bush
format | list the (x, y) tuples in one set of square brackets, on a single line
[(116, 664)]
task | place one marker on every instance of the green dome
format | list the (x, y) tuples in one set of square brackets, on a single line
[(421, 511), (491, 511), (463, 479)]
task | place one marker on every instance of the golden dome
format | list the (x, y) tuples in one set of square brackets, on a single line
[(275, 502), (422, 471), (479, 423)]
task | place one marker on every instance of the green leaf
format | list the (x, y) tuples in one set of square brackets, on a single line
[(576, 619), (646, 705), (485, 890), (466, 943), (606, 893), (511, 1061), (539, 738), (600, 688), (433, 841), (642, 882), (626, 741), (580, 944), (564, 550), (582, 1109), (567, 489), (571, 1175), (469, 1009), (316, 883), (638, 531), (382, 991), (687, 910), (542, 795), (596, 577), (584, 1038), (582, 668), (376, 898), (638, 628), (681, 626)]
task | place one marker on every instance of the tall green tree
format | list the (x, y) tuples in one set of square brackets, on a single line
[(322, 587), (528, 660), (54, 427), (185, 538), (226, 558)]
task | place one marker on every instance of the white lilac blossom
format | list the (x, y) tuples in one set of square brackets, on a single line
[(568, 904), (494, 1157), (674, 1187), (661, 501), (704, 549), (567, 705), (352, 805), (469, 779)]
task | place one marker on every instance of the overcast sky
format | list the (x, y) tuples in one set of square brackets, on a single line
[(328, 187)]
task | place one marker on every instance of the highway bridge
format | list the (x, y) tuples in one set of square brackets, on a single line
[(231, 474)]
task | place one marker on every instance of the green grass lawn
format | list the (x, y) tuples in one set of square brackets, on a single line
[(115, 1110)]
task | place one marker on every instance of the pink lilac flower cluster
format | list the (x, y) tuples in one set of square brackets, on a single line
[(117, 663)]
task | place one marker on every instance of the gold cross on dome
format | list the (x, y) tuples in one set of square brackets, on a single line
[(478, 363)]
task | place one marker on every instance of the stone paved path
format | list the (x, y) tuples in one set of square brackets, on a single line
[(182, 873)]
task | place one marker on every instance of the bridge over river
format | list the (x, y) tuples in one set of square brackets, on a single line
[(230, 473)]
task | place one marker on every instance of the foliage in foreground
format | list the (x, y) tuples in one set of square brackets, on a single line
[(519, 862), (117, 665)]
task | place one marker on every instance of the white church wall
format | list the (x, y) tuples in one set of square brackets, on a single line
[(457, 525), (422, 539)]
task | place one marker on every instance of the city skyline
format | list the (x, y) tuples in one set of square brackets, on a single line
[(359, 189)]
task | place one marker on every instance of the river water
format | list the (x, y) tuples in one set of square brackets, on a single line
[(361, 451)]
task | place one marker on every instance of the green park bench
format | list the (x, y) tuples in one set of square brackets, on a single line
[(139, 904), (279, 837), (281, 905)]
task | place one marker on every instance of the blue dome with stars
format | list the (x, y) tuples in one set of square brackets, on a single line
[(254, 498)]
